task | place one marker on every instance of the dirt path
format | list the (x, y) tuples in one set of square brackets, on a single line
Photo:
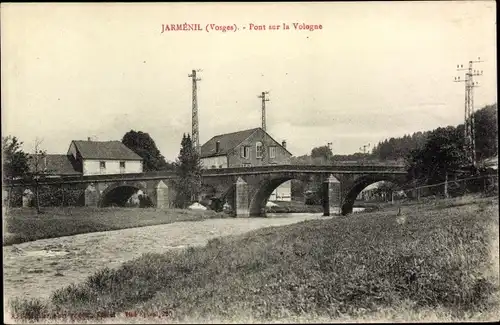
[(35, 269)]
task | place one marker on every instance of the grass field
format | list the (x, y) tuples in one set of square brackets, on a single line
[(23, 224), (436, 257)]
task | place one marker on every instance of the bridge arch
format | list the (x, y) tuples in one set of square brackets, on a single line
[(350, 194), (266, 187), (120, 193)]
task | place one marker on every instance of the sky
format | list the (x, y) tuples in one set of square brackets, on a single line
[(375, 70)]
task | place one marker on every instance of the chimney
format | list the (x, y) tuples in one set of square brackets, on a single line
[(217, 146), (89, 139), (283, 144)]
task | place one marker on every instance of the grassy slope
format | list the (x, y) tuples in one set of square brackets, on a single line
[(431, 257), (25, 225)]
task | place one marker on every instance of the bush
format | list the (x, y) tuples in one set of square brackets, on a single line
[(33, 309)]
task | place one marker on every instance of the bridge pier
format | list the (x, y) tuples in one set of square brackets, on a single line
[(331, 196), (241, 199), (92, 195), (162, 196)]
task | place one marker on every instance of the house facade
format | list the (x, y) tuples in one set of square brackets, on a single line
[(247, 148), (103, 157)]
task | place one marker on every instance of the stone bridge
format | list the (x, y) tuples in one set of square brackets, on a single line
[(246, 189)]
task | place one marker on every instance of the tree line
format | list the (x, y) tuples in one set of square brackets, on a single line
[(430, 156), (403, 148)]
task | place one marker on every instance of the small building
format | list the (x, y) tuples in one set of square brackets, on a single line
[(247, 148), (54, 165), (103, 157)]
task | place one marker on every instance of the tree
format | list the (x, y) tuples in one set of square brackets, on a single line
[(15, 161), (37, 171), (188, 168), (486, 132), (143, 145), (442, 153), (324, 153)]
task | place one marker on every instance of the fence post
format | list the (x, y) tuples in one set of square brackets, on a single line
[(62, 192), (446, 185)]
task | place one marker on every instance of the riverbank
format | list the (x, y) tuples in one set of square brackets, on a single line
[(300, 207), (34, 269), (434, 257), (23, 224)]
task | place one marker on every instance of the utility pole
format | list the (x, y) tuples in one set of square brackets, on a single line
[(469, 128), (194, 118), (363, 148), (264, 100)]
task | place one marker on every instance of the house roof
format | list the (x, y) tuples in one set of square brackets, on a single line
[(113, 150), (56, 164), (227, 142)]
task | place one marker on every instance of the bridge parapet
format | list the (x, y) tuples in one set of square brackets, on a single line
[(337, 168), (234, 171)]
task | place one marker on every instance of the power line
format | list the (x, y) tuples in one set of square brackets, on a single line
[(469, 127), (264, 100), (194, 117)]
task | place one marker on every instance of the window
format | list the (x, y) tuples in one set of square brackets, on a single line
[(122, 166), (272, 152), (259, 149), (102, 166), (245, 152)]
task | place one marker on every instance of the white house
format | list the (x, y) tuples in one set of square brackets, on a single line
[(103, 157)]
